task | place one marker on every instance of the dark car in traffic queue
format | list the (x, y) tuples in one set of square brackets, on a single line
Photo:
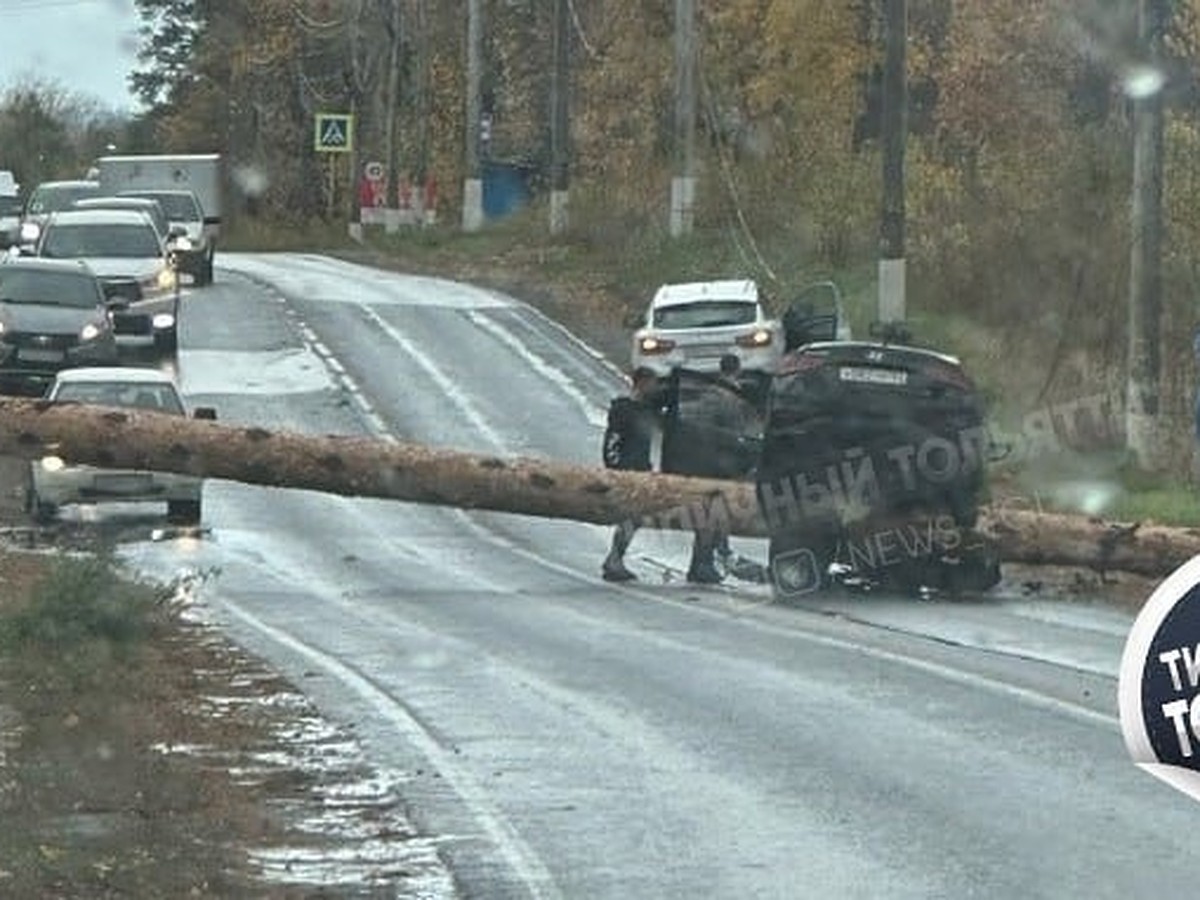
[(873, 463), (10, 220), (125, 250), (53, 316)]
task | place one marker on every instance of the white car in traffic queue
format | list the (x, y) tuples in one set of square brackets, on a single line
[(54, 484), (692, 326), (125, 249)]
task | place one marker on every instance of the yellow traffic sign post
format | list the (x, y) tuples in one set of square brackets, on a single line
[(333, 133)]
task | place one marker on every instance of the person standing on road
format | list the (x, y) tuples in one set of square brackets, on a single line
[(633, 423), (727, 415)]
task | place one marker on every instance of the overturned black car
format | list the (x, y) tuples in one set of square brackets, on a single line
[(873, 464)]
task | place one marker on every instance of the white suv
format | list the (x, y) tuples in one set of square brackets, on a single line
[(693, 325)]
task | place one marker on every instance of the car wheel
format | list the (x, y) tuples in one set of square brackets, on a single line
[(204, 271), (167, 341), (977, 571), (183, 512), (39, 510)]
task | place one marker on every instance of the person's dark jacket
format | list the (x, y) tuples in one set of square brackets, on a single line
[(632, 424)]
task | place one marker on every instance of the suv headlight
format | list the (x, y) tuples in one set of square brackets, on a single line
[(166, 278), (90, 332), (759, 338), (650, 344)]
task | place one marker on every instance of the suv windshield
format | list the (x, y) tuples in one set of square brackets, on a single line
[(707, 314), (135, 395), (76, 290), (178, 207), (92, 240), (49, 199)]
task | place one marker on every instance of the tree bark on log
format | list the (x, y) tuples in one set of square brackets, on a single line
[(366, 467)]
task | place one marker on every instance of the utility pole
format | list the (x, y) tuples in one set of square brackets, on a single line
[(560, 129), (422, 106), (1145, 265), (393, 98), (894, 128), (683, 185), (472, 219)]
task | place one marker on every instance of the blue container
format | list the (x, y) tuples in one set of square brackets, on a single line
[(505, 188)]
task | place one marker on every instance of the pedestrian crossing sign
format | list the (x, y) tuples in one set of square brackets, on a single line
[(334, 133)]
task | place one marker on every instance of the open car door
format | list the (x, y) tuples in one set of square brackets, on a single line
[(817, 314)]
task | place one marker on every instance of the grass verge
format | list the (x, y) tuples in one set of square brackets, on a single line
[(96, 671)]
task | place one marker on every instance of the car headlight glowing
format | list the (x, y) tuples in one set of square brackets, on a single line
[(655, 345), (53, 463), (163, 320), (759, 338), (90, 332), (166, 278)]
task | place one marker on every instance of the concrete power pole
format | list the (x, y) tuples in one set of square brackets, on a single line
[(683, 185), (894, 128), (393, 98), (472, 218), (560, 129), (1142, 435)]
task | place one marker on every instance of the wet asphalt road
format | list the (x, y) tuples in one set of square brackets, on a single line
[(563, 737)]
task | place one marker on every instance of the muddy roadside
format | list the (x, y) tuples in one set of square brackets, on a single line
[(173, 764)]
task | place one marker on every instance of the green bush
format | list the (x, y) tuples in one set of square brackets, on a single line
[(80, 602)]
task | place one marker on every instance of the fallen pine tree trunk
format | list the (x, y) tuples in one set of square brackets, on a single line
[(366, 467)]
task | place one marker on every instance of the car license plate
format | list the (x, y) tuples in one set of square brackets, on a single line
[(121, 484), (40, 355), (874, 376), (707, 351)]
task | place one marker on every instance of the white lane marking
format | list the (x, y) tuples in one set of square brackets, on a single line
[(519, 856), (949, 673), (374, 422), (591, 412), (576, 340), (443, 381)]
